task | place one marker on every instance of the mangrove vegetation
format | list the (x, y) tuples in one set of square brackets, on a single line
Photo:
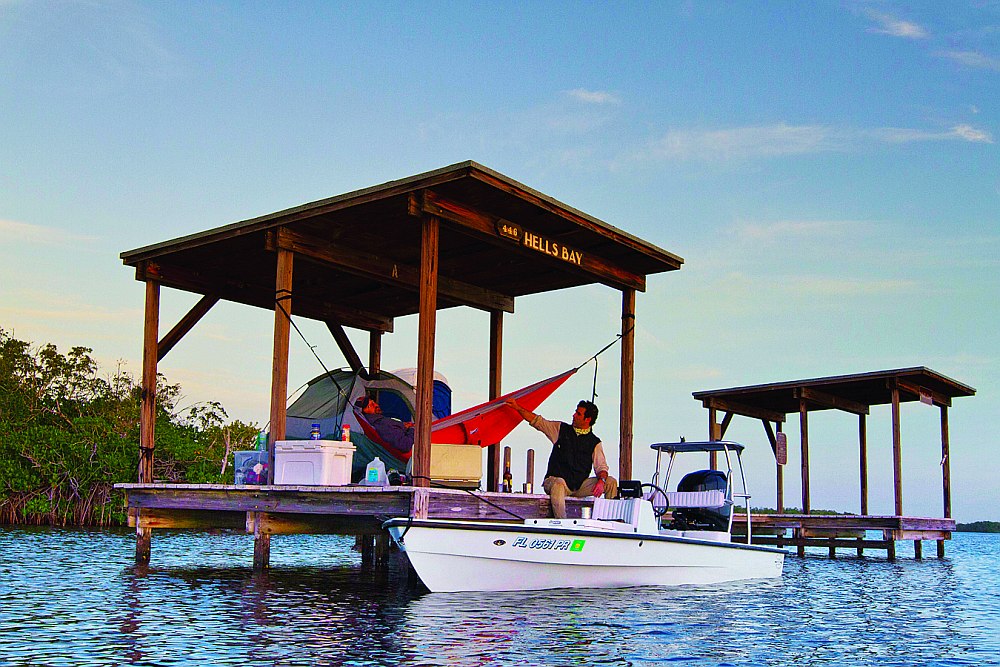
[(69, 432)]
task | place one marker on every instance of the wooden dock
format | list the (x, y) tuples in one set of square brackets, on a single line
[(845, 531), (342, 510), (263, 511)]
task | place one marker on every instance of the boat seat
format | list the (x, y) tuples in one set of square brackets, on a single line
[(623, 509), (712, 498)]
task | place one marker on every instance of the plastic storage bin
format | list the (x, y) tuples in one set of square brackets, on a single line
[(313, 462), (250, 467)]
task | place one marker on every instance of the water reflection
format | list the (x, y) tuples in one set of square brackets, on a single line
[(75, 597)]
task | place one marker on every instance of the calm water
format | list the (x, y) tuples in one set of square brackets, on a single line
[(74, 597)]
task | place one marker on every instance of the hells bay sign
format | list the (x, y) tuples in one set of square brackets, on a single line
[(537, 242)]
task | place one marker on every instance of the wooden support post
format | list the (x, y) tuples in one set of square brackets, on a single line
[(945, 472), (863, 449), (890, 548), (496, 367), (863, 452), (420, 503), (780, 474), (367, 550), (918, 549), (804, 430), (374, 353), (381, 549), (429, 237), (143, 541), (897, 458), (713, 434), (529, 473), (627, 385), (279, 357), (147, 414), (945, 463), (261, 542)]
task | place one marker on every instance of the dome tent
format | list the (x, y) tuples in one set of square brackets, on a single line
[(329, 401)]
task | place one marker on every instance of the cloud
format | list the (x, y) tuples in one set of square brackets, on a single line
[(890, 25), (826, 286), (593, 96), (23, 232), (766, 140), (972, 59), (782, 139), (896, 135), (788, 229)]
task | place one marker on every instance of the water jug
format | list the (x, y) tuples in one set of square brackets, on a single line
[(375, 473)]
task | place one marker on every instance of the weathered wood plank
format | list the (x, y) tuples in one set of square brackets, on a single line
[(199, 519), (627, 403), (389, 272), (727, 405), (590, 264), (284, 523), (825, 399), (185, 325), (262, 296), (147, 414), (345, 345), (430, 235)]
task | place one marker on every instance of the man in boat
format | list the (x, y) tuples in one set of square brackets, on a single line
[(575, 451), (395, 433)]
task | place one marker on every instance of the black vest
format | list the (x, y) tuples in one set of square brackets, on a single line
[(572, 456)]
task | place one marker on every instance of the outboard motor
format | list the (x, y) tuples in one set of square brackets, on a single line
[(703, 518)]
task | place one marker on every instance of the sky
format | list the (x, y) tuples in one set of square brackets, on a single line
[(829, 172)]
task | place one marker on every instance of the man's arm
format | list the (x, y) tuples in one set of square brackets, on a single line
[(549, 428), (600, 462)]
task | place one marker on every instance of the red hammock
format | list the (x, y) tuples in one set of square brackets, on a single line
[(484, 425), (489, 423)]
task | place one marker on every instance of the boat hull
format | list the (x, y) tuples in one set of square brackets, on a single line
[(470, 556)]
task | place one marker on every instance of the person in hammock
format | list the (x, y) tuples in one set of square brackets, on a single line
[(393, 432), (575, 451)]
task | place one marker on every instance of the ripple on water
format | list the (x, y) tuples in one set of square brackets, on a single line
[(75, 597)]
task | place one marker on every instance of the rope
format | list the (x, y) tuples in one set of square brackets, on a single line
[(471, 493), (285, 295), (604, 349)]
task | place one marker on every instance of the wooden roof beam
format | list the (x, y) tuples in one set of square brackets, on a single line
[(616, 235), (261, 296), (937, 397), (184, 325), (830, 401), (726, 405), (428, 202), (344, 343), (386, 271)]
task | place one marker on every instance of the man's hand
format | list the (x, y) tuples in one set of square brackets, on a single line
[(599, 489), (511, 402)]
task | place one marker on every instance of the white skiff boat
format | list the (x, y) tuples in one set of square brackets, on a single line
[(656, 539)]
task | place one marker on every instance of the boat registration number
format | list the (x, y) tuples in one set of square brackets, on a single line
[(555, 545)]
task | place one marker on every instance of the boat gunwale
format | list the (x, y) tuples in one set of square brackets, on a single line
[(450, 524)]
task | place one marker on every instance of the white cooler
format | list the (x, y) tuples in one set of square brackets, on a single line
[(313, 462)]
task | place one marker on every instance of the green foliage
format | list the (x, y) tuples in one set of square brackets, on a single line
[(68, 435), (979, 527)]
